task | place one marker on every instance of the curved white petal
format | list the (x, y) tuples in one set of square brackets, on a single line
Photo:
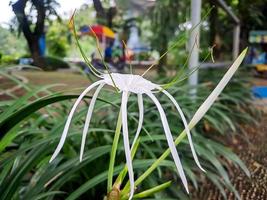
[(141, 117), (67, 125), (185, 125), (126, 142), (88, 119), (170, 140)]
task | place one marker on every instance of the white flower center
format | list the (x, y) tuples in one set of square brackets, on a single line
[(130, 83)]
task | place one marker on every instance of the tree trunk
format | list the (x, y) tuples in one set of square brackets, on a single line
[(38, 60), (32, 38), (214, 35), (100, 11), (112, 11), (213, 19), (163, 61), (38, 32), (104, 16)]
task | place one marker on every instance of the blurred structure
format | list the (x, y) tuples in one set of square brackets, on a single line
[(195, 35), (258, 52), (134, 9)]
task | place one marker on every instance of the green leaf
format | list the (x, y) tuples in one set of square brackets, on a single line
[(152, 191), (27, 110)]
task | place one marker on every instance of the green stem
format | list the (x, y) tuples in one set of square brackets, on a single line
[(159, 160), (113, 153), (152, 191)]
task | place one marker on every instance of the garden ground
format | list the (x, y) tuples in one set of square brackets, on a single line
[(253, 152)]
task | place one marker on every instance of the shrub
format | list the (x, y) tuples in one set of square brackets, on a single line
[(54, 63), (8, 59)]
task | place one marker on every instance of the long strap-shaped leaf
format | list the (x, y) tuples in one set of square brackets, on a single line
[(217, 91), (18, 116)]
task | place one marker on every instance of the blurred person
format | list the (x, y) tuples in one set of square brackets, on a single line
[(108, 53)]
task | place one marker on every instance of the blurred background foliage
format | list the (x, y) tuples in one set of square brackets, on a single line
[(57, 39)]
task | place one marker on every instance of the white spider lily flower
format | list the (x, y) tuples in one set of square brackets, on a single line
[(127, 84)]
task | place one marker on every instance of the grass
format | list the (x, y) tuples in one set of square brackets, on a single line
[(70, 79)]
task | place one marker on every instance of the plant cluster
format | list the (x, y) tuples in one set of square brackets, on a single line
[(31, 127)]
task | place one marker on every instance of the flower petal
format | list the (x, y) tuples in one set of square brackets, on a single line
[(88, 119), (185, 125), (141, 117), (67, 125), (170, 140), (126, 142), (215, 93)]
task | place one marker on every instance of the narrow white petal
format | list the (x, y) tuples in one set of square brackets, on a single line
[(215, 93), (126, 142), (170, 140), (67, 125), (185, 125), (88, 119), (141, 117)]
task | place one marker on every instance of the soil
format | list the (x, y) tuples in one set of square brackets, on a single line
[(252, 149), (60, 79)]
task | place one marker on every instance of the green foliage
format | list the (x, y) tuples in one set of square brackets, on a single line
[(57, 39), (168, 13), (32, 125), (54, 63), (252, 16), (11, 44), (84, 16), (60, 41), (8, 59)]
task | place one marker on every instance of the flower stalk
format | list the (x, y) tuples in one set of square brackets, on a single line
[(113, 153), (135, 84), (196, 118)]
